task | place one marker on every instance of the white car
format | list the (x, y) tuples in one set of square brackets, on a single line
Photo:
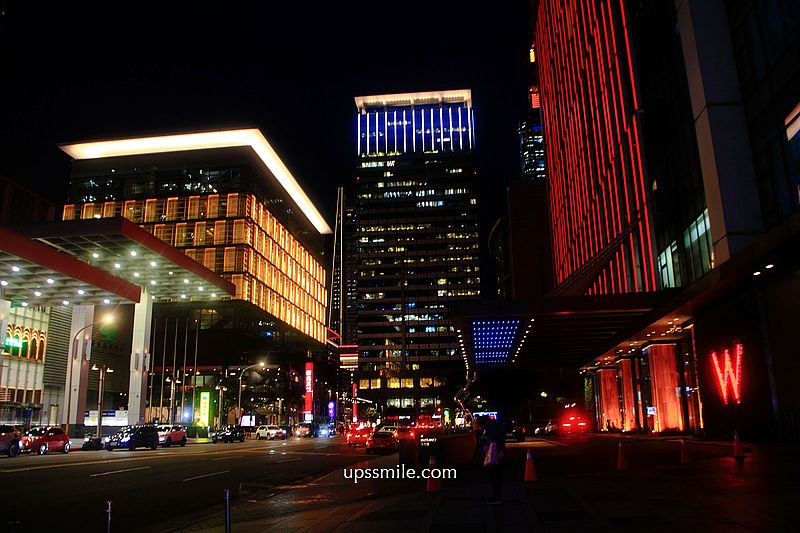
[(270, 432)]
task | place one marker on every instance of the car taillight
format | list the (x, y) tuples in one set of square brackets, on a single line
[(581, 423), (566, 424)]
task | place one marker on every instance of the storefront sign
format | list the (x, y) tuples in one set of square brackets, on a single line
[(205, 402), (13, 342), (729, 373), (110, 418), (331, 409), (355, 403), (309, 400)]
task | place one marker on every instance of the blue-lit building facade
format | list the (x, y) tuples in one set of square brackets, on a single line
[(416, 221)]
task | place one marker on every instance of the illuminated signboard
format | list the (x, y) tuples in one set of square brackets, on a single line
[(331, 409), (309, 400), (13, 342), (205, 401), (729, 373)]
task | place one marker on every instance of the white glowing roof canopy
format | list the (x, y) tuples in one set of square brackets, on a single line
[(201, 141), (404, 99)]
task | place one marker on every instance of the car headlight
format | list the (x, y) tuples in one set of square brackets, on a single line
[(86, 439), (125, 439), (106, 439)]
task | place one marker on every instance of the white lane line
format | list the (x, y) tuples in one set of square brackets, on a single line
[(206, 475), (287, 461), (119, 471), (226, 458)]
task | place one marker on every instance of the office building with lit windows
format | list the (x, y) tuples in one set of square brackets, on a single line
[(226, 200), (416, 221), (672, 163)]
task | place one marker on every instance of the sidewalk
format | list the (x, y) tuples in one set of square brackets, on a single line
[(709, 495)]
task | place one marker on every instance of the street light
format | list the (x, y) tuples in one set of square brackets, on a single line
[(262, 364), (103, 370), (108, 319)]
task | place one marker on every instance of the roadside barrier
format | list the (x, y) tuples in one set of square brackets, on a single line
[(622, 457), (738, 449), (685, 452), (433, 485), (530, 469)]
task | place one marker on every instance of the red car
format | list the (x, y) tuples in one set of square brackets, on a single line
[(357, 436), (573, 423), (382, 441), (10, 440), (169, 435), (45, 439)]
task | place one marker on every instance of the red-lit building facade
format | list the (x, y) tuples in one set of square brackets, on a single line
[(673, 165)]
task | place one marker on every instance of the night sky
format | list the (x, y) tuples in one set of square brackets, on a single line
[(72, 73)]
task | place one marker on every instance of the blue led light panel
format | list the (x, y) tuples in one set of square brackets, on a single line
[(492, 340)]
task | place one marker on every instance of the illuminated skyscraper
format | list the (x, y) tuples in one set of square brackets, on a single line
[(531, 139), (417, 245)]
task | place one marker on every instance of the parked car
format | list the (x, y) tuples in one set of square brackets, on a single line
[(547, 429), (515, 431), (270, 432), (228, 434), (382, 441), (306, 429), (169, 435), (357, 436), (10, 440), (45, 439), (92, 442), (132, 437)]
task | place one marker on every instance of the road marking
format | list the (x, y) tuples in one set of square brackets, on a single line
[(119, 471), (287, 461), (206, 475), (226, 458)]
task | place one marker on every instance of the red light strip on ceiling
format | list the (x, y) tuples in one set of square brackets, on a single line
[(726, 374)]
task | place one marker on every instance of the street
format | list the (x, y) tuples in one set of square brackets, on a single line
[(154, 487)]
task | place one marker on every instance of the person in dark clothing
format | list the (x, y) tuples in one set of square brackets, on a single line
[(494, 433)]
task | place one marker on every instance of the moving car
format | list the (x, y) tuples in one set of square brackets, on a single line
[(169, 435), (357, 436), (405, 432), (325, 431), (270, 432), (228, 434), (132, 437), (10, 442), (382, 441), (92, 442), (573, 423), (45, 439)]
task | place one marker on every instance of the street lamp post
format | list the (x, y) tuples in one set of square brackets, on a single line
[(172, 383), (262, 364), (105, 320), (103, 370), (221, 390)]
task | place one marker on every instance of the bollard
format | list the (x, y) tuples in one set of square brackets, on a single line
[(622, 457), (227, 511), (685, 452), (108, 517), (530, 469)]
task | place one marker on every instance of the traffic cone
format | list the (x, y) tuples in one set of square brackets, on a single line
[(684, 452), (738, 449), (622, 457), (530, 469), (433, 485)]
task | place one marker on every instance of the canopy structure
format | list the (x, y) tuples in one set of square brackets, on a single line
[(109, 261)]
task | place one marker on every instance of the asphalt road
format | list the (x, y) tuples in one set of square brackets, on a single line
[(166, 486)]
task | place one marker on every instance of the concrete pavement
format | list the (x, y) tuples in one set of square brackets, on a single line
[(713, 493)]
